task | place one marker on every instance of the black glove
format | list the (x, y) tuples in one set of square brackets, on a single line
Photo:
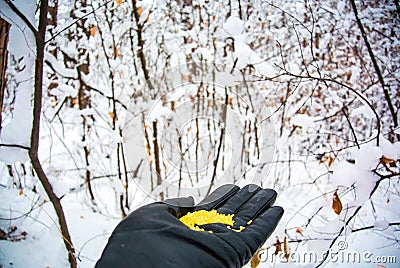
[(153, 236)]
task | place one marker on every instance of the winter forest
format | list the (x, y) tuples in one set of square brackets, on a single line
[(111, 105)]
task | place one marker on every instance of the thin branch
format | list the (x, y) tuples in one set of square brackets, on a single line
[(22, 16), (351, 126), (140, 43), (290, 15), (14, 146), (157, 157), (372, 226), (108, 97), (360, 95), (75, 21)]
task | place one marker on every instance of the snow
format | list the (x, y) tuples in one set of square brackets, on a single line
[(293, 68), (233, 26), (381, 224), (23, 45), (344, 174), (363, 110), (302, 120), (281, 143), (226, 79), (243, 53), (42, 231), (389, 150), (265, 69), (359, 174), (368, 156), (66, 72)]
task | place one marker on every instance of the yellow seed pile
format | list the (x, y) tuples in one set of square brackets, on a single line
[(194, 219)]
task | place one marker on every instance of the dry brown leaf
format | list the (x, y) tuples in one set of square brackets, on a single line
[(286, 248), (148, 151), (21, 192), (255, 260), (336, 203), (93, 31), (386, 160), (299, 230), (139, 11), (116, 52), (111, 114), (331, 159), (119, 1), (278, 246), (327, 159), (262, 25)]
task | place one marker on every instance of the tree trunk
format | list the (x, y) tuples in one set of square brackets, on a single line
[(33, 152), (4, 31)]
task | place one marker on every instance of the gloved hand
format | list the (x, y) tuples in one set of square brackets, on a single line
[(153, 236)]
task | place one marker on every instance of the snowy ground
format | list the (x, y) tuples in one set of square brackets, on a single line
[(42, 246), (37, 243)]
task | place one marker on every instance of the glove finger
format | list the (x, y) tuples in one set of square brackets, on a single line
[(215, 227), (239, 199), (257, 204), (180, 206), (261, 228), (180, 202), (218, 197)]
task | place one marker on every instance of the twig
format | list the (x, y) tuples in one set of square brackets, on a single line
[(351, 126), (157, 157), (14, 146), (140, 43), (361, 96), (375, 63), (372, 226)]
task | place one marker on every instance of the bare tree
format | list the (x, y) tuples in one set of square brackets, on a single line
[(33, 151)]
